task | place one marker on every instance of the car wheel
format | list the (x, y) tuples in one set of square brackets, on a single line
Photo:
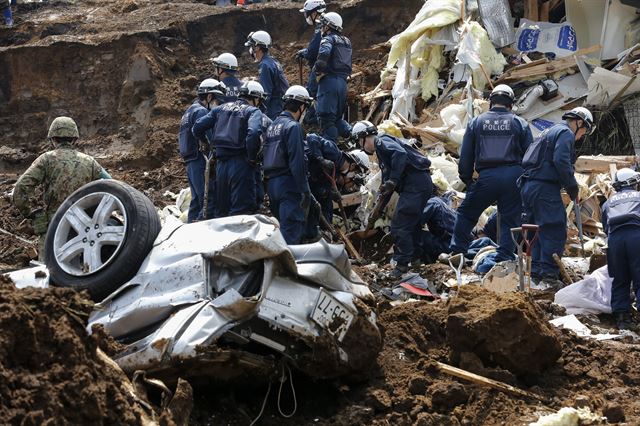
[(99, 237)]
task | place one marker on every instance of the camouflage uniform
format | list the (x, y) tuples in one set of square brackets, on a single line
[(60, 172)]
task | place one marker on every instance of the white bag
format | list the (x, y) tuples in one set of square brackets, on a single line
[(546, 37), (592, 295)]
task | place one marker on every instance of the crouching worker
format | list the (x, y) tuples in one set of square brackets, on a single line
[(285, 167), (406, 171), (621, 220), (59, 172)]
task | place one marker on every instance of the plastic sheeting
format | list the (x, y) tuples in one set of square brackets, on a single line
[(477, 51), (496, 16), (592, 295)]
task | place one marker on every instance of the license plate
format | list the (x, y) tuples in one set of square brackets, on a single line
[(332, 315)]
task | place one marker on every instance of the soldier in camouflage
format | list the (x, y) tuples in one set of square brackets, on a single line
[(59, 172)]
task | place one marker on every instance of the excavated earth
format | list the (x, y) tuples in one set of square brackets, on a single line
[(126, 70)]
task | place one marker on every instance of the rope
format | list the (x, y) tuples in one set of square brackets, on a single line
[(293, 391), (264, 404)]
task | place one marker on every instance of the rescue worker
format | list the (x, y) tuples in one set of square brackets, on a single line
[(237, 127), (195, 157), (285, 168), (548, 167), (324, 159), (271, 75), (406, 171), (493, 145), (332, 68), (353, 171), (59, 173), (226, 67), (6, 12), (621, 220), (312, 10), (440, 219)]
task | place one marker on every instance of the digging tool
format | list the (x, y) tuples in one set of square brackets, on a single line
[(339, 200), (563, 271), (576, 211), (207, 175), (457, 269), (300, 67), (498, 223), (526, 244), (336, 232)]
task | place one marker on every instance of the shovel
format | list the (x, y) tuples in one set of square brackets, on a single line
[(337, 232), (525, 246), (207, 175), (578, 215)]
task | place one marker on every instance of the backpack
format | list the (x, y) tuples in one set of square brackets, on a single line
[(536, 152)]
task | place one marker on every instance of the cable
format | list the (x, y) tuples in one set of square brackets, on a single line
[(293, 391), (264, 404)]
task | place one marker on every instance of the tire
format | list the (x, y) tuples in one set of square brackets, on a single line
[(99, 237)]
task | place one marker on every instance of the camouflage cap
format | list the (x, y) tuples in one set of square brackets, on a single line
[(63, 127)]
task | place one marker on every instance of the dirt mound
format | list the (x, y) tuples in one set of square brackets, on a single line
[(507, 330), (49, 366)]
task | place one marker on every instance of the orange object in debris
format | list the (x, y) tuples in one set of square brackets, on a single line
[(240, 3)]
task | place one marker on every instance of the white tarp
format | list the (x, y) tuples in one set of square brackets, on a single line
[(592, 295)]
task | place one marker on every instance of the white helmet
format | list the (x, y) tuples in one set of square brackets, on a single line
[(258, 38), (297, 93), (502, 90), (626, 177), (252, 89), (226, 61), (311, 6), (581, 113), (332, 20), (360, 158), (363, 129), (211, 85)]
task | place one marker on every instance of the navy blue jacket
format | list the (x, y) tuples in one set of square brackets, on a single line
[(310, 53), (272, 79), (622, 209), (233, 88), (559, 158), (397, 158), (187, 143), (439, 217), (237, 129), (318, 148), (284, 151), (495, 138), (334, 55)]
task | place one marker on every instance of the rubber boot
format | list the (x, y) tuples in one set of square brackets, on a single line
[(399, 271), (623, 320)]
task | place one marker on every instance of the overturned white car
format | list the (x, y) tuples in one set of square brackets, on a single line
[(221, 298)]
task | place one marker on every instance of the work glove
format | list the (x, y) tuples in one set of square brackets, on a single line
[(205, 148), (336, 196), (40, 222), (328, 166), (300, 54), (573, 192), (388, 187)]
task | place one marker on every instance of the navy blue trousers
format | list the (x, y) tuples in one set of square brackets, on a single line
[(624, 266), (406, 223), (322, 193), (496, 184), (236, 187), (285, 201), (542, 205), (195, 175), (331, 106)]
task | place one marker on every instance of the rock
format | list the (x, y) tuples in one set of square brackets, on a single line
[(446, 396), (471, 362), (581, 401), (614, 413), (429, 419), (418, 385), (507, 330), (380, 400)]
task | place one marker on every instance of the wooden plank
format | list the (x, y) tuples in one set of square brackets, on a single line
[(548, 68), (352, 199), (601, 163), (613, 171), (531, 10), (544, 11), (483, 381)]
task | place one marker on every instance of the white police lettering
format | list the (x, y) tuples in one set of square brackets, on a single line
[(274, 130), (500, 125)]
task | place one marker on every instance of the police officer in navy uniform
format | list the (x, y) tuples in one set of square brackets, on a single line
[(271, 74), (324, 160), (210, 94), (548, 167), (226, 67), (332, 68), (621, 220), (237, 127), (312, 10), (285, 166), (493, 145), (406, 171)]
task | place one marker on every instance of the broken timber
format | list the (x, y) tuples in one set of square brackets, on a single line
[(602, 163)]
